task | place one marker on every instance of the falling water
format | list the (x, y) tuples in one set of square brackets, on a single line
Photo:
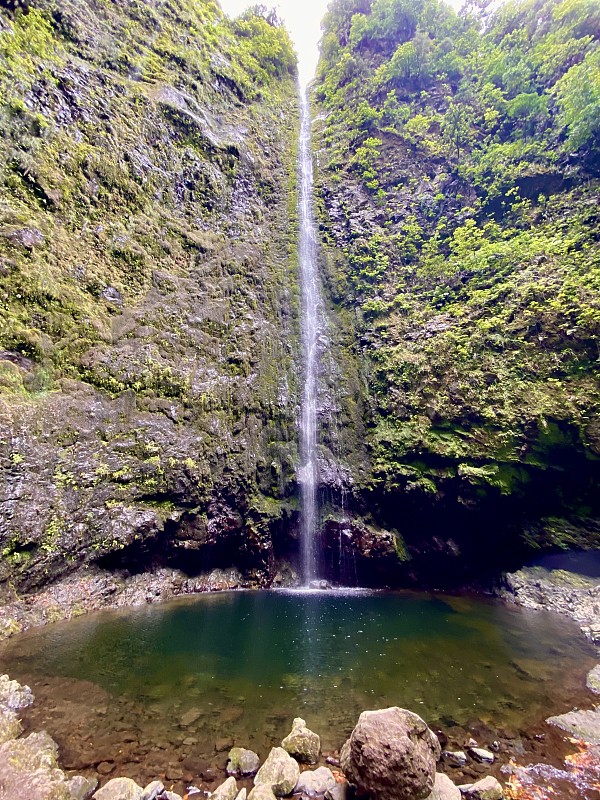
[(311, 302)]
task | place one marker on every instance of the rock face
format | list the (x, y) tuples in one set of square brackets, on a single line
[(302, 743), (147, 345), (280, 772), (242, 762), (391, 754)]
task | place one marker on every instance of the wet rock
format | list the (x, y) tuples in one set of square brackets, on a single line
[(262, 792), (191, 716), (302, 743), (593, 680), (580, 724), (481, 755), (315, 782), (391, 754), (457, 758), (444, 789), (487, 789), (226, 791), (13, 696), (153, 790), (223, 744), (28, 769), (337, 792), (242, 762), (10, 726), (81, 788), (105, 767), (280, 772), (119, 789)]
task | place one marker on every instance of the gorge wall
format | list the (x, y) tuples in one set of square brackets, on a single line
[(148, 281), (458, 185), (150, 334)]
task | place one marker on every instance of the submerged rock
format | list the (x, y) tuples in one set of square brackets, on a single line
[(242, 762), (280, 772), (302, 743), (315, 782), (391, 754), (481, 755), (580, 724), (444, 789), (120, 789)]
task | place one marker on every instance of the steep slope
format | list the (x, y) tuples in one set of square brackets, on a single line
[(459, 162), (148, 399)]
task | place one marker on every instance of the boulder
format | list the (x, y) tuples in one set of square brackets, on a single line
[(242, 794), (153, 790), (280, 773), (302, 743), (226, 791), (10, 726), (444, 789), (262, 792), (120, 789), (337, 792), (81, 788), (242, 762), (487, 789), (391, 754), (315, 782)]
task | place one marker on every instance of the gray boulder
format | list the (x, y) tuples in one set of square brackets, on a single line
[(242, 762), (481, 755), (280, 772), (315, 782), (10, 726), (391, 754), (119, 789), (444, 789), (226, 791), (81, 788), (302, 743), (153, 790), (13, 696), (580, 724)]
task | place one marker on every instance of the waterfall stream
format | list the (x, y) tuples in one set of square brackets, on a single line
[(311, 311)]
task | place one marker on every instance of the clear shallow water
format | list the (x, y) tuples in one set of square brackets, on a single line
[(247, 663)]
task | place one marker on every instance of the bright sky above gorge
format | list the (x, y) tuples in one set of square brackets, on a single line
[(303, 20)]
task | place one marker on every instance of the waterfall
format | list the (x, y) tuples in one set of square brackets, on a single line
[(311, 306)]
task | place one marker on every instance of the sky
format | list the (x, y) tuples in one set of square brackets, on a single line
[(302, 19)]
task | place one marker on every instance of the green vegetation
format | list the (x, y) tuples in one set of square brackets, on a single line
[(459, 174)]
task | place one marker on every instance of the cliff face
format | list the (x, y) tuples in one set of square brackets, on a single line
[(458, 181), (148, 286)]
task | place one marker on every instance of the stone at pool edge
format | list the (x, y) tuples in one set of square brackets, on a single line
[(391, 754), (315, 782), (13, 696), (242, 762), (280, 773), (580, 724), (593, 680), (444, 789), (226, 791), (119, 789), (486, 789), (302, 744)]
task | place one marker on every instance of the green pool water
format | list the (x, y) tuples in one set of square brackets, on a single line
[(247, 663)]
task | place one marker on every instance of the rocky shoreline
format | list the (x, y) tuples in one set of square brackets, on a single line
[(464, 758)]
